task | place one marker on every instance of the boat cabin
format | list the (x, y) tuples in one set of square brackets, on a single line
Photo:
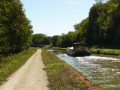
[(80, 47)]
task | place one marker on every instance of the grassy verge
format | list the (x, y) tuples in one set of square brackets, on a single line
[(51, 47), (59, 48), (10, 64), (47, 46), (106, 51), (62, 76)]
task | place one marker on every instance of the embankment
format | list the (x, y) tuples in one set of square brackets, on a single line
[(62, 76), (106, 51)]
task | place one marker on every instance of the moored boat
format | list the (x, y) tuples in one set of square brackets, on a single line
[(78, 49)]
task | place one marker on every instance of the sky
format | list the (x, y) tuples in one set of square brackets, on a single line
[(55, 17)]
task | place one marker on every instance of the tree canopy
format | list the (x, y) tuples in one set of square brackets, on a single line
[(101, 28), (40, 39), (15, 28)]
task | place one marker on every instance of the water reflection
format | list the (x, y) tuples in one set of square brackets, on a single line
[(102, 70)]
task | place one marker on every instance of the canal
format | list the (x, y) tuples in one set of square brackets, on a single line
[(104, 71)]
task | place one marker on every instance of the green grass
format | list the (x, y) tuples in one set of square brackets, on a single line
[(106, 51), (59, 48), (47, 46), (10, 64), (51, 47), (62, 76)]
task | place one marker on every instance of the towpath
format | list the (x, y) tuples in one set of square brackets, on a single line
[(30, 76)]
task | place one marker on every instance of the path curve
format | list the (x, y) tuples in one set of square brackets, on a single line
[(30, 76)]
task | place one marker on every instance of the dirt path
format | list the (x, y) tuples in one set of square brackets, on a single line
[(30, 76)]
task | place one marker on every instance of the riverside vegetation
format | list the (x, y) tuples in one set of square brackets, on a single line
[(63, 76), (101, 28), (106, 51), (10, 64), (15, 29), (15, 37)]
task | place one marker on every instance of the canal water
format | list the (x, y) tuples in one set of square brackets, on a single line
[(104, 71)]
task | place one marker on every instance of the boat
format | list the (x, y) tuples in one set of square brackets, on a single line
[(78, 49)]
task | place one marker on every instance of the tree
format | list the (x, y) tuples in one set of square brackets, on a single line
[(82, 28), (15, 28), (99, 1), (40, 39), (101, 28), (37, 39), (54, 40), (46, 41)]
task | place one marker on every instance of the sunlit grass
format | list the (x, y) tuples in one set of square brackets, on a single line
[(59, 48), (11, 63), (51, 47), (106, 51), (62, 76)]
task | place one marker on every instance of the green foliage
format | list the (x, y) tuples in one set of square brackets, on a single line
[(62, 76), (103, 25), (67, 40), (40, 40), (15, 28), (101, 28), (11, 63), (54, 40), (106, 51), (82, 30), (99, 1)]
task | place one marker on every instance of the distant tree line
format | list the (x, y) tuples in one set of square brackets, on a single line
[(39, 40), (101, 28), (79, 35), (15, 28)]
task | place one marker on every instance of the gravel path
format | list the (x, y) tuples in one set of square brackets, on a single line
[(30, 76)]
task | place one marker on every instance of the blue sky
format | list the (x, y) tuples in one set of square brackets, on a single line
[(54, 17)]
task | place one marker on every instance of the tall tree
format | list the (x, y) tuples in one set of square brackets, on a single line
[(15, 28)]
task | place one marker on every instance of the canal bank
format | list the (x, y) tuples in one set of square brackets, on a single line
[(63, 76), (102, 70)]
